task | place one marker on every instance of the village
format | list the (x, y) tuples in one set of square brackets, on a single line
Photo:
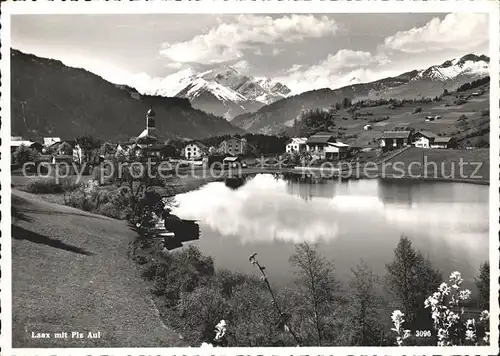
[(322, 145)]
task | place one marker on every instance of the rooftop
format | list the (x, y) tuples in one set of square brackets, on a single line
[(231, 159), (427, 134), (442, 139), (321, 137), (299, 140), (396, 134)]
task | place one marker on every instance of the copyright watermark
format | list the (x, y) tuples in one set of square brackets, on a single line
[(137, 170)]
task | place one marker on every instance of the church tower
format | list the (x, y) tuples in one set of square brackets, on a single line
[(150, 129), (150, 121)]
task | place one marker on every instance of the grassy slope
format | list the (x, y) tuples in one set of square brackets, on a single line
[(70, 273), (447, 163), (404, 116)]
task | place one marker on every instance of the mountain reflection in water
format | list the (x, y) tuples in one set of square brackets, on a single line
[(349, 221)]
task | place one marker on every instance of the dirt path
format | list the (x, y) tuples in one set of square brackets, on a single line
[(70, 274)]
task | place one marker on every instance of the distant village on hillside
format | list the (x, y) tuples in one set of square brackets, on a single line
[(322, 145)]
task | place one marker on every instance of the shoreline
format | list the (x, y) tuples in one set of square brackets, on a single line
[(311, 172)]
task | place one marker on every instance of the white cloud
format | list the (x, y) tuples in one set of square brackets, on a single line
[(333, 72), (458, 31), (241, 66), (226, 41)]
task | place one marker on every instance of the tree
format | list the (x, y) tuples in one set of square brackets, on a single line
[(318, 120), (65, 149), (483, 285), (364, 303), (317, 288), (106, 149), (346, 103), (411, 278), (24, 154), (88, 142)]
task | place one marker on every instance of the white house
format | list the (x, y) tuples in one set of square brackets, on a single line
[(423, 139), (324, 146), (49, 141), (367, 127), (395, 139), (443, 142), (336, 149), (194, 150), (296, 144)]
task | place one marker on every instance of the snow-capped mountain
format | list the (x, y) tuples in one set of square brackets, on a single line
[(414, 84), (470, 65), (354, 80), (223, 91)]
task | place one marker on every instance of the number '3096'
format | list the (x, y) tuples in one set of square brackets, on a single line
[(423, 333)]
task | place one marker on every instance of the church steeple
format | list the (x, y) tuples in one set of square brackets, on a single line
[(149, 131), (150, 121)]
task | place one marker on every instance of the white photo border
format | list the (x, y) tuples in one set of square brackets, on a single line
[(246, 6)]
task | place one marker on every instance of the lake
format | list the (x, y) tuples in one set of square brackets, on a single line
[(353, 220)]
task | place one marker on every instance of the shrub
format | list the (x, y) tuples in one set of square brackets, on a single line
[(417, 110), (179, 272), (43, 186), (199, 311), (51, 186), (24, 154)]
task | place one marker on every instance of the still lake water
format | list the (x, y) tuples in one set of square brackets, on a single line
[(349, 221)]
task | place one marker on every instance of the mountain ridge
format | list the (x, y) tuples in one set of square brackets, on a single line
[(429, 82), (223, 91), (49, 98)]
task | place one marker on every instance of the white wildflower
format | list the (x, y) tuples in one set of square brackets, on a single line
[(220, 330), (470, 323), (456, 279), (485, 315), (397, 318), (464, 294), (486, 337), (470, 335), (444, 289), (442, 334), (452, 317), (407, 334)]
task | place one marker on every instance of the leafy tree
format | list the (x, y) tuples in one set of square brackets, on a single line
[(317, 289), (24, 154), (411, 278), (346, 103), (364, 304), (483, 285), (106, 149), (317, 120), (88, 142), (65, 149)]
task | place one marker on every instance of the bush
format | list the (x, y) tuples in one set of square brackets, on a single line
[(51, 186), (417, 110), (24, 154), (200, 310)]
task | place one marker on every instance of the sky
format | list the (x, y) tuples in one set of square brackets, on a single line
[(302, 51)]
